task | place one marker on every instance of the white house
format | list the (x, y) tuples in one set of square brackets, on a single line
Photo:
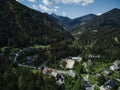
[(94, 56), (77, 58), (70, 64), (115, 66)]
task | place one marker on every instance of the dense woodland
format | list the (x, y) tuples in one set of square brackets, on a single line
[(13, 77), (65, 49), (21, 26), (105, 43)]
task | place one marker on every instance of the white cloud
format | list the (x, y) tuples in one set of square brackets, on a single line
[(99, 14), (44, 8), (47, 2), (32, 0), (63, 13), (35, 7), (56, 7), (82, 2)]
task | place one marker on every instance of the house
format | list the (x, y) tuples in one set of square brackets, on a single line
[(26, 49), (90, 62), (32, 58), (111, 85), (115, 66), (88, 86), (77, 58), (94, 56), (59, 79), (70, 64), (47, 71), (106, 74)]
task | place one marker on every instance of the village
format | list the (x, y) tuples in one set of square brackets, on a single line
[(95, 76)]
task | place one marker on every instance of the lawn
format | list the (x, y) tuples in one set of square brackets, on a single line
[(2, 49), (92, 79), (35, 71), (100, 66)]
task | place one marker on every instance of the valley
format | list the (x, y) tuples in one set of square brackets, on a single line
[(41, 51)]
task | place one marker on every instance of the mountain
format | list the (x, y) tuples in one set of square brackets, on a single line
[(102, 34), (71, 24), (77, 21), (22, 26), (109, 20), (61, 20)]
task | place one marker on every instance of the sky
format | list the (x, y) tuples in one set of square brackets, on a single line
[(72, 8)]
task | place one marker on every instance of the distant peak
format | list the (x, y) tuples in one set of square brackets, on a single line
[(115, 9), (53, 14)]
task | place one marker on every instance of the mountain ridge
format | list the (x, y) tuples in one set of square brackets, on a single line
[(106, 21), (70, 24), (21, 26)]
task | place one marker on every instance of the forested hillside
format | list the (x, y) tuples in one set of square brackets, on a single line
[(21, 26), (13, 77), (102, 34)]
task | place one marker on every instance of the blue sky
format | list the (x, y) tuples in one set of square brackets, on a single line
[(72, 8)]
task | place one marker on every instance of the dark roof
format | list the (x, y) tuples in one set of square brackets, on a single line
[(112, 83), (1, 55), (87, 84)]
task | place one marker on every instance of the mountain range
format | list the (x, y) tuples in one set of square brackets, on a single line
[(71, 24), (21, 26), (107, 21), (99, 33)]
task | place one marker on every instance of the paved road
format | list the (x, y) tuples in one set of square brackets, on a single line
[(70, 73), (16, 56), (21, 65)]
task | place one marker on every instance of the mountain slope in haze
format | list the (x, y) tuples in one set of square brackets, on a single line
[(71, 24), (109, 20), (61, 20), (22, 26), (78, 21)]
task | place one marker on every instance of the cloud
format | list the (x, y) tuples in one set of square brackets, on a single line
[(56, 7), (99, 14), (82, 2), (47, 2), (44, 8), (32, 0), (64, 14), (35, 7)]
